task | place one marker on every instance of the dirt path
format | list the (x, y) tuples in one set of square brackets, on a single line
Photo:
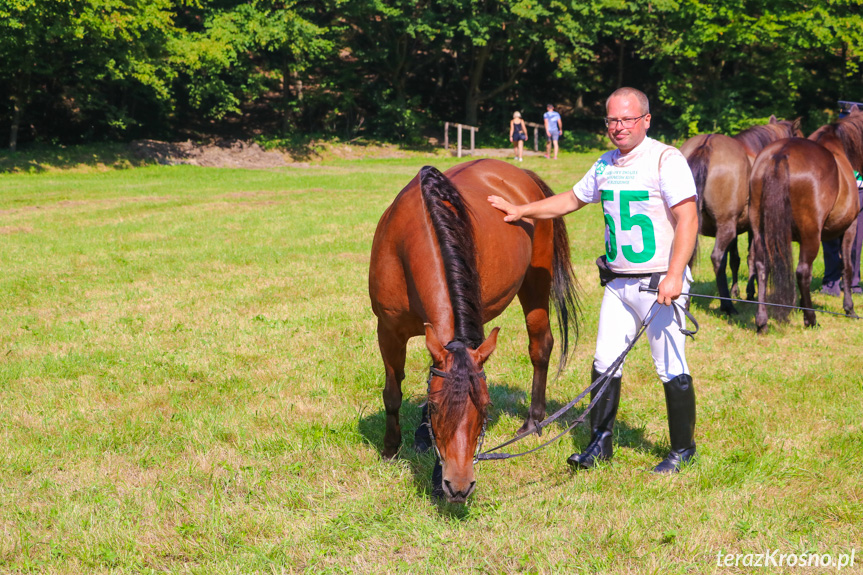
[(226, 154)]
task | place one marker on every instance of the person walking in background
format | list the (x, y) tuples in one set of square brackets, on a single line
[(651, 220), (833, 264), (553, 128), (517, 135)]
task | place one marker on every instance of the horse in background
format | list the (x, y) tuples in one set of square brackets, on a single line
[(804, 190), (444, 263), (721, 166)]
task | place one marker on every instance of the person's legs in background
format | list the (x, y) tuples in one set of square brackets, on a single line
[(832, 282), (855, 253)]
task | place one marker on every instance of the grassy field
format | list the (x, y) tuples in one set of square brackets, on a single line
[(190, 383)]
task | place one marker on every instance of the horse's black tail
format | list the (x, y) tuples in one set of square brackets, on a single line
[(776, 220), (699, 164), (451, 221), (564, 286)]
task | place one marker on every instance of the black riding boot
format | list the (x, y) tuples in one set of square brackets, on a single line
[(680, 403), (601, 425)]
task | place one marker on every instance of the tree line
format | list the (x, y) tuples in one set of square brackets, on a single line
[(93, 70)]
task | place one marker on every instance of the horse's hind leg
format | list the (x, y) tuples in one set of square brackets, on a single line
[(750, 262), (724, 237), (808, 252), (734, 264), (759, 266), (393, 351), (533, 297), (848, 271)]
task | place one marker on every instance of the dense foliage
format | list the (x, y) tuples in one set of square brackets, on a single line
[(84, 70)]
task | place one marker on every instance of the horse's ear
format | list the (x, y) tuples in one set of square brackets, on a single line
[(434, 346), (483, 352), (854, 110), (773, 119), (795, 125)]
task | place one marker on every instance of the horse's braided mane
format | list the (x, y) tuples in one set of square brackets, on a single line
[(451, 221), (452, 224), (757, 137)]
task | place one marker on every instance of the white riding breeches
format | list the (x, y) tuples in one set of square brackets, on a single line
[(624, 308)]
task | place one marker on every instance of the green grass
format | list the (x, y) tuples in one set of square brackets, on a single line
[(190, 383)]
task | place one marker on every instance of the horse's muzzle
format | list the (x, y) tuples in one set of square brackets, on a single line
[(455, 496)]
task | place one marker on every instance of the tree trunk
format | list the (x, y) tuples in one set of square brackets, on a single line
[(621, 53), (16, 122), (290, 80), (474, 93), (401, 55)]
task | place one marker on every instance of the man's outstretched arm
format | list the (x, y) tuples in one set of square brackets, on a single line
[(544, 209)]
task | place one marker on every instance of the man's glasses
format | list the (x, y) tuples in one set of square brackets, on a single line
[(625, 123)]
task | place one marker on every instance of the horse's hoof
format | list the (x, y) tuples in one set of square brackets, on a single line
[(529, 426), (851, 314), (728, 309), (761, 329)]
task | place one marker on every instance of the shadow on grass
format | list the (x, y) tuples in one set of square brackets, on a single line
[(579, 437), (304, 148), (38, 158), (744, 318), (507, 401), (372, 427), (746, 310)]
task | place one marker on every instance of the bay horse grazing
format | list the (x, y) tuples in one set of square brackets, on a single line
[(721, 166), (443, 263), (804, 190)]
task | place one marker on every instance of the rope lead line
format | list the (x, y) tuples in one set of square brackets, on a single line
[(758, 303), (603, 381)]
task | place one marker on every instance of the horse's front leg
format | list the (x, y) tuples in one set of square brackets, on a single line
[(393, 351)]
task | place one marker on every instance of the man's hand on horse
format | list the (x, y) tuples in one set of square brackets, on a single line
[(513, 213)]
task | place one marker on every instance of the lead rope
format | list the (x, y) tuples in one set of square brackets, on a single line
[(602, 382)]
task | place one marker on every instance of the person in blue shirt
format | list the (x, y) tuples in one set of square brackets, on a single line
[(553, 128)]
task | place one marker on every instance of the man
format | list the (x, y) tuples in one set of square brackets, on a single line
[(833, 262), (648, 199), (553, 128)]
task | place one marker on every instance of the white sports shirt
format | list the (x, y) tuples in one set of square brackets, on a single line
[(637, 191)]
